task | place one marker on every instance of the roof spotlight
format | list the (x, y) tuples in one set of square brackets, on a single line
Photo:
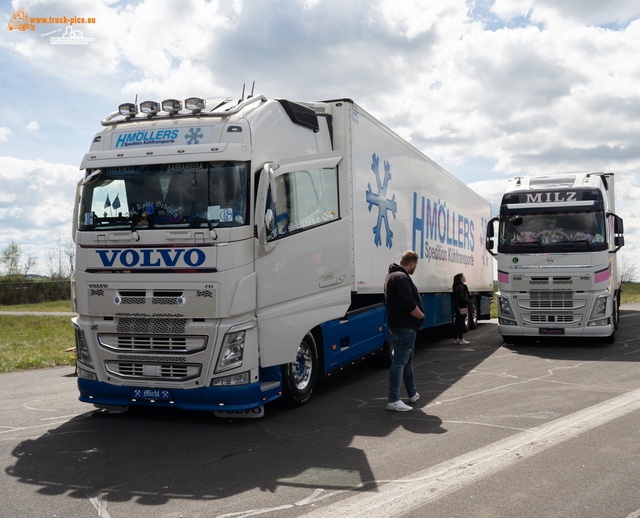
[(171, 106), (195, 104), (128, 109), (150, 108)]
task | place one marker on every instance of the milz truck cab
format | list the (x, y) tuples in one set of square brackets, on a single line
[(557, 240)]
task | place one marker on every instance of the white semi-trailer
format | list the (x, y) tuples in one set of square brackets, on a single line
[(228, 253), (556, 251)]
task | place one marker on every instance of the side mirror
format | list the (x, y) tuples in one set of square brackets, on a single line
[(618, 230), (269, 221), (488, 242), (618, 226)]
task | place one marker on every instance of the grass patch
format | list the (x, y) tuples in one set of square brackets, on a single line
[(32, 342), (630, 292), (53, 306)]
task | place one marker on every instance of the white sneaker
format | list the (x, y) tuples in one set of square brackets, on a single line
[(414, 398), (399, 406), (463, 342), (456, 342)]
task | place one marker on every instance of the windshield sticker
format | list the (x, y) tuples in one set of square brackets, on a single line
[(188, 166), (213, 212), (226, 215), (126, 169), (88, 218), (164, 185)]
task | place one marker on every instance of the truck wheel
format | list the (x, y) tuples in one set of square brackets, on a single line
[(473, 313), (298, 378), (467, 319), (615, 316)]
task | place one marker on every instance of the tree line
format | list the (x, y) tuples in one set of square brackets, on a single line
[(59, 261)]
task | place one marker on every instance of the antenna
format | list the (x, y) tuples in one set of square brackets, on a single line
[(136, 101), (254, 85)]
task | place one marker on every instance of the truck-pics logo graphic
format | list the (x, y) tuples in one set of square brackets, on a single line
[(19, 21), (381, 201)]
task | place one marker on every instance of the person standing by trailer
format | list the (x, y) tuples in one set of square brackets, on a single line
[(405, 314), (460, 305)]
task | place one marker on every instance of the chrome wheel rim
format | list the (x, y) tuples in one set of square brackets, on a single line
[(302, 367)]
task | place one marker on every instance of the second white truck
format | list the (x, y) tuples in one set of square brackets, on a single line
[(229, 252), (556, 245)]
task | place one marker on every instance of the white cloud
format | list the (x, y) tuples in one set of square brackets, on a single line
[(33, 125), (36, 204), (5, 133), (588, 12)]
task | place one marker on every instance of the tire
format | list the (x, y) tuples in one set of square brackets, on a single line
[(616, 311), (473, 310), (467, 318), (299, 378)]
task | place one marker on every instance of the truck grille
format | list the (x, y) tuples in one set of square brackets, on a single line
[(152, 343), (550, 300), (553, 319), (159, 303), (152, 325), (153, 371)]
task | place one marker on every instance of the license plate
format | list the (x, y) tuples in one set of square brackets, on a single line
[(151, 394), (551, 331)]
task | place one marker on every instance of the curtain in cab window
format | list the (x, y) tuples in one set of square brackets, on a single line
[(305, 199)]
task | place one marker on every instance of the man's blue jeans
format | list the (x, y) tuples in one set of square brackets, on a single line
[(403, 342)]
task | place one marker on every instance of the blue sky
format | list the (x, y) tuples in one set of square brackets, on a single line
[(488, 89)]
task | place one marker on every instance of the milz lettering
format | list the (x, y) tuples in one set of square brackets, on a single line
[(150, 258), (540, 197)]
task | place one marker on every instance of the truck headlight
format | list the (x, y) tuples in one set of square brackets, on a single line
[(505, 307), (232, 351), (599, 308)]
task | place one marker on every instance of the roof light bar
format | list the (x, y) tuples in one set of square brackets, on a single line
[(128, 109), (150, 108), (195, 104), (171, 106)]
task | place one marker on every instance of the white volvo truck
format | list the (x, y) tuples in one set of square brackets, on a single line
[(229, 252), (556, 251)]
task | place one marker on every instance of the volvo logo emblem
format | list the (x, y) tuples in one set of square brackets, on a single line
[(549, 259)]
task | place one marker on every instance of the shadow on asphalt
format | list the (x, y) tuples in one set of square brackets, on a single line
[(587, 349), (153, 455)]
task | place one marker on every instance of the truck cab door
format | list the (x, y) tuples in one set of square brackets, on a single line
[(303, 264)]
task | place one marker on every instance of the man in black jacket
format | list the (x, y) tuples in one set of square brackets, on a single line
[(405, 315)]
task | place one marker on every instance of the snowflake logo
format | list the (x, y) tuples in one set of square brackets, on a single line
[(193, 136), (381, 201)]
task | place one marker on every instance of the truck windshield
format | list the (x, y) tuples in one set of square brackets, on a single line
[(190, 194), (546, 229)]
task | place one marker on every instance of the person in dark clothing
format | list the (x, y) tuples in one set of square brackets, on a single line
[(460, 301), (405, 315)]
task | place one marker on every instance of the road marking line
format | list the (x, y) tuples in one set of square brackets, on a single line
[(96, 501), (398, 497)]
